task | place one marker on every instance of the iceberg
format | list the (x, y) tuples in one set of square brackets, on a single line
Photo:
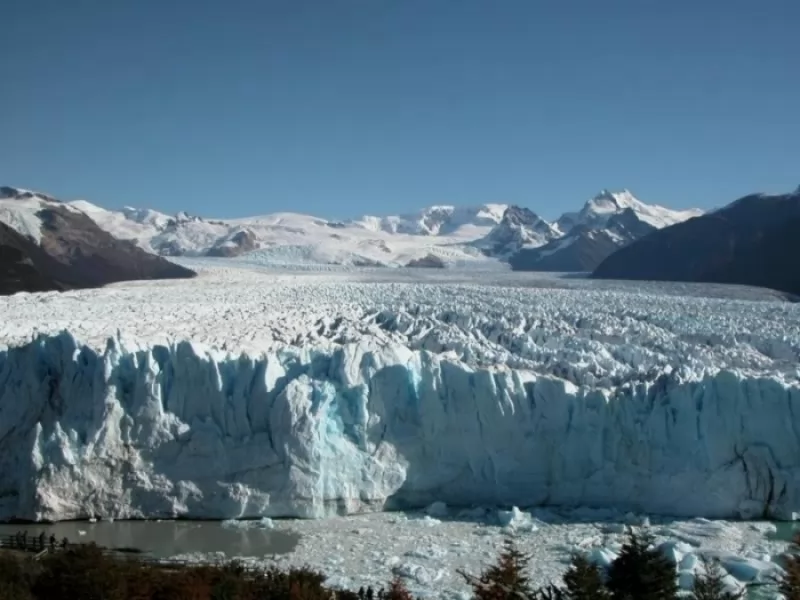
[(183, 430)]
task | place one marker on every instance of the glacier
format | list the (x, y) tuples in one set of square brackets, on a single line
[(181, 429)]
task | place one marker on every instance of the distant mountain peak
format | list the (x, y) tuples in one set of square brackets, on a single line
[(8, 192), (596, 213), (437, 220), (607, 201), (519, 228), (520, 215)]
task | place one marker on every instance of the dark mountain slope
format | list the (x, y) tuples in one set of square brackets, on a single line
[(24, 266), (584, 247), (74, 253), (753, 241)]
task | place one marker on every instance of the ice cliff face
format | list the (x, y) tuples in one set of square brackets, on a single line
[(177, 430)]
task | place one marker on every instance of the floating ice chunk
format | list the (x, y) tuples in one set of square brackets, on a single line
[(749, 569), (516, 520), (418, 573), (263, 523), (764, 527), (686, 579), (731, 584), (671, 552), (689, 562), (81, 532), (602, 557), (617, 528), (431, 552)]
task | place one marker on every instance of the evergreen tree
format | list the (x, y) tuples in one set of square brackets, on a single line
[(584, 581), (641, 572), (505, 580), (710, 584)]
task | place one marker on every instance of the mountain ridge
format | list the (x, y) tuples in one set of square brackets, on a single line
[(458, 235)]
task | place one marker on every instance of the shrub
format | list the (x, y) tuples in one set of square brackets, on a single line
[(397, 590), (80, 572), (641, 572)]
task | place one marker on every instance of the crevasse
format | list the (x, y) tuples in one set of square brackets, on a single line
[(179, 430)]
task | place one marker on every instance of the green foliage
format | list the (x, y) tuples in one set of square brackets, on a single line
[(710, 584), (641, 572), (584, 580), (506, 579)]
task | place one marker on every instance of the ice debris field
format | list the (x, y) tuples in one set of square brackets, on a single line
[(251, 392)]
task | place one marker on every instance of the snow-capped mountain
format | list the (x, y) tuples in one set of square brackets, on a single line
[(291, 238), (437, 221), (457, 236), (519, 228), (605, 205), (607, 222)]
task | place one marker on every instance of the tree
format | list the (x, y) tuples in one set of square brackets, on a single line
[(397, 590), (710, 584), (505, 580), (584, 581), (641, 572)]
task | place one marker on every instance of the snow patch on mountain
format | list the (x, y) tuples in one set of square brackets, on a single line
[(599, 209), (450, 221), (19, 209)]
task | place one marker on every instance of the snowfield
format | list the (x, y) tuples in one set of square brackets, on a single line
[(267, 392)]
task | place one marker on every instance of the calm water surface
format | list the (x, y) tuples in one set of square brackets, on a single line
[(166, 538)]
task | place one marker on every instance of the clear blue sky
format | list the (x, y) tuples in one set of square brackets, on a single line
[(342, 107)]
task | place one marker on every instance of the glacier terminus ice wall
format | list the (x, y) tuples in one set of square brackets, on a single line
[(171, 430)]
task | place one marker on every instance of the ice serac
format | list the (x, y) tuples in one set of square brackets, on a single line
[(183, 431)]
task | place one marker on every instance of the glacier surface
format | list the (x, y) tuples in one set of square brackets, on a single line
[(367, 396)]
